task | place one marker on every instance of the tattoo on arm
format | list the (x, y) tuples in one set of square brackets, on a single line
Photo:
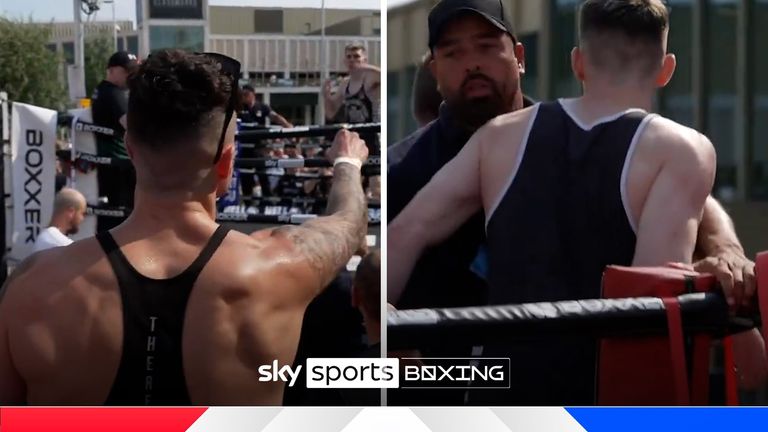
[(328, 242)]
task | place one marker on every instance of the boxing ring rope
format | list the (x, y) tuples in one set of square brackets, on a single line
[(633, 316), (254, 136), (84, 162)]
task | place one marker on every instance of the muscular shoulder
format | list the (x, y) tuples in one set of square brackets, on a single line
[(49, 277), (509, 127), (677, 143), (509, 122)]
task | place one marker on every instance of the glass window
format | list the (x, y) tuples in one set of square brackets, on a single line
[(563, 40), (529, 82), (759, 59), (189, 38), (675, 101), (393, 107), (121, 44), (69, 52), (133, 44), (721, 90)]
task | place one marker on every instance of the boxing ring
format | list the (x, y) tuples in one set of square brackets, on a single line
[(654, 328), (266, 211)]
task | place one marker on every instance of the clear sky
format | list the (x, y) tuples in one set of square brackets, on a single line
[(62, 10), (395, 3)]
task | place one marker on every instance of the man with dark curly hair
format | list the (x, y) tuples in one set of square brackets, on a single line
[(171, 308)]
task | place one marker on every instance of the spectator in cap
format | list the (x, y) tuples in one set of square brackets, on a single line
[(108, 108)]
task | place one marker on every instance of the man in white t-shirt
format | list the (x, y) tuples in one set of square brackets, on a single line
[(68, 212)]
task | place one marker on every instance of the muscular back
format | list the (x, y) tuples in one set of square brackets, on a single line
[(62, 319), (669, 174)]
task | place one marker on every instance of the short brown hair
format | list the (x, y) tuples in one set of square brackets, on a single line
[(624, 34), (354, 46)]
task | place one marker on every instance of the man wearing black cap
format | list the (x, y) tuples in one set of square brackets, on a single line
[(478, 64), (478, 80), (109, 106)]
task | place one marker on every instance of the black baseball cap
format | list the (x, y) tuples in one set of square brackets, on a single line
[(123, 59), (446, 10)]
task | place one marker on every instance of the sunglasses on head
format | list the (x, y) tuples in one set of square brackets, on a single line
[(230, 67)]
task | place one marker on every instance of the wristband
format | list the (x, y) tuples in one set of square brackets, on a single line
[(356, 162)]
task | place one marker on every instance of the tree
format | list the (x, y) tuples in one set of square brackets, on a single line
[(29, 71), (98, 49)]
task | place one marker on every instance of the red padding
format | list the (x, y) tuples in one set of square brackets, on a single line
[(633, 371), (677, 350), (729, 371), (702, 344), (761, 269)]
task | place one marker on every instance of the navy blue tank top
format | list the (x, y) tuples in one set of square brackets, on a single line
[(151, 370), (561, 220)]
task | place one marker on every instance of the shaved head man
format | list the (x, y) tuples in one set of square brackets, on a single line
[(68, 213), (170, 308)]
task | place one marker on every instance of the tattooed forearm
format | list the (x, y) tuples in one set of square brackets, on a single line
[(328, 242)]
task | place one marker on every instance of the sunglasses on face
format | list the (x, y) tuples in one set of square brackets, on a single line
[(353, 56), (231, 68)]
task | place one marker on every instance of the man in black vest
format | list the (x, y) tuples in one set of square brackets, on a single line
[(479, 77)]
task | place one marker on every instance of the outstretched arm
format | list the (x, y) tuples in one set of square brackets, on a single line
[(673, 209), (277, 118), (318, 249), (439, 209)]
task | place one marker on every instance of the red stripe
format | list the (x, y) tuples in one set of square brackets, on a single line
[(99, 419), (677, 349)]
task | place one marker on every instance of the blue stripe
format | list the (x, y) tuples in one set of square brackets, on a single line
[(669, 419)]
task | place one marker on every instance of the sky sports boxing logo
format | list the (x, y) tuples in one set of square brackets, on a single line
[(415, 373)]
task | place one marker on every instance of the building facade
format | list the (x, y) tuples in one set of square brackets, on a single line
[(717, 87), (282, 52)]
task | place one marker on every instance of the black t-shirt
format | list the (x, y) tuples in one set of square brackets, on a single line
[(109, 103), (258, 113)]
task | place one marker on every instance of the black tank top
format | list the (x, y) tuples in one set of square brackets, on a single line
[(151, 369), (358, 107), (562, 219)]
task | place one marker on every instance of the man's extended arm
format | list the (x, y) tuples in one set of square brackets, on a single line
[(324, 245), (277, 118), (446, 202)]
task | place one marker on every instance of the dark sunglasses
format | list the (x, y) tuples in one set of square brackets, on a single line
[(231, 68)]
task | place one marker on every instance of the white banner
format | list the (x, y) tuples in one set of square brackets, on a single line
[(33, 152), (86, 183)]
